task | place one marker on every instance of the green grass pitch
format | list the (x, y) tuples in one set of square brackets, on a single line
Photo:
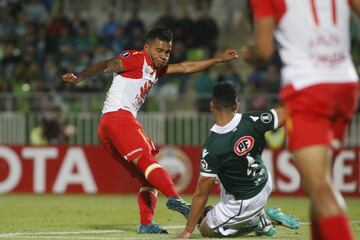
[(106, 217)]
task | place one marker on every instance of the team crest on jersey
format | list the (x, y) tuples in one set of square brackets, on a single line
[(266, 117), (125, 54), (243, 145)]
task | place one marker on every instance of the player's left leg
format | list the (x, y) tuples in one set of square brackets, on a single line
[(329, 207), (147, 199), (257, 223), (232, 216), (156, 175)]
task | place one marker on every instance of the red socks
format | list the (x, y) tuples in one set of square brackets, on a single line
[(156, 175), (335, 227), (161, 180), (147, 199), (315, 230)]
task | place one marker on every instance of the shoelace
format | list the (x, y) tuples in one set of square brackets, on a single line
[(155, 228), (291, 219)]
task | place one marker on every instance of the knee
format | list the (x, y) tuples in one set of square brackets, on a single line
[(205, 230), (320, 188)]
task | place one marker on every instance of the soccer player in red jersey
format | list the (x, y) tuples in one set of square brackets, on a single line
[(121, 135), (319, 91)]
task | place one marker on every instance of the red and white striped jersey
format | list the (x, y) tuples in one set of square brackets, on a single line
[(130, 87), (313, 38)]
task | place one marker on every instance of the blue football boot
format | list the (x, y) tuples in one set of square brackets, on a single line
[(152, 228), (276, 215)]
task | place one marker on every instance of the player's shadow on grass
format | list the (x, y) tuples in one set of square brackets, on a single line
[(125, 228)]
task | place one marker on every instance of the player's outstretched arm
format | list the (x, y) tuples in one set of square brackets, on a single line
[(200, 197), (198, 66), (111, 65)]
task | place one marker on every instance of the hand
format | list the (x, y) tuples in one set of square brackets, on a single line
[(229, 55), (70, 78), (184, 235)]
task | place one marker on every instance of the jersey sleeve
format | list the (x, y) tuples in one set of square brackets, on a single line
[(131, 60), (208, 165), (264, 121), (262, 8)]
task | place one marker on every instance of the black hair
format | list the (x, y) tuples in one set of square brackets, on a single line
[(160, 33), (224, 96)]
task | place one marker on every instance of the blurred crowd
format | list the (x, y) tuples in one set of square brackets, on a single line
[(39, 42)]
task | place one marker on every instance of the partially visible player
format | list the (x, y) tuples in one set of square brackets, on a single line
[(319, 90), (232, 156), (135, 72)]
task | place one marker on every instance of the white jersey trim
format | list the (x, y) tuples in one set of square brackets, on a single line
[(276, 118), (208, 174), (228, 127)]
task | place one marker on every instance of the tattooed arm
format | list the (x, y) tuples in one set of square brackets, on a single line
[(108, 66)]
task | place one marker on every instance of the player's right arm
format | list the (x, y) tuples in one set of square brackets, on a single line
[(264, 25), (111, 65), (200, 198), (355, 5)]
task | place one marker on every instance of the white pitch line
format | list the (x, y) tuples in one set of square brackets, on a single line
[(174, 227), (57, 233), (42, 234), (64, 237)]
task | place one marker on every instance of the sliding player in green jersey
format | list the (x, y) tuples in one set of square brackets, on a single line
[(231, 156)]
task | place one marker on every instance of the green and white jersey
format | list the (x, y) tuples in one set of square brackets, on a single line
[(233, 153)]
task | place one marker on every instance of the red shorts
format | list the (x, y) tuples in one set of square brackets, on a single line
[(318, 114), (123, 137)]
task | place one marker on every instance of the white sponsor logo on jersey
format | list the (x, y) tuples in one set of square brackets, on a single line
[(243, 145), (204, 165), (266, 117), (204, 153), (254, 118)]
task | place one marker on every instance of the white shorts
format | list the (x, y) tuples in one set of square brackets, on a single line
[(229, 214)]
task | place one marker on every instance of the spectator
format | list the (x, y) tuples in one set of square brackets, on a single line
[(36, 11), (230, 75), (108, 29), (77, 21), (9, 61), (6, 26), (134, 22), (54, 129), (54, 29), (120, 41), (50, 74), (185, 29), (207, 33), (136, 39), (167, 20), (204, 83), (82, 40)]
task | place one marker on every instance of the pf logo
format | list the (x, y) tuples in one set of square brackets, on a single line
[(177, 164), (243, 145)]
